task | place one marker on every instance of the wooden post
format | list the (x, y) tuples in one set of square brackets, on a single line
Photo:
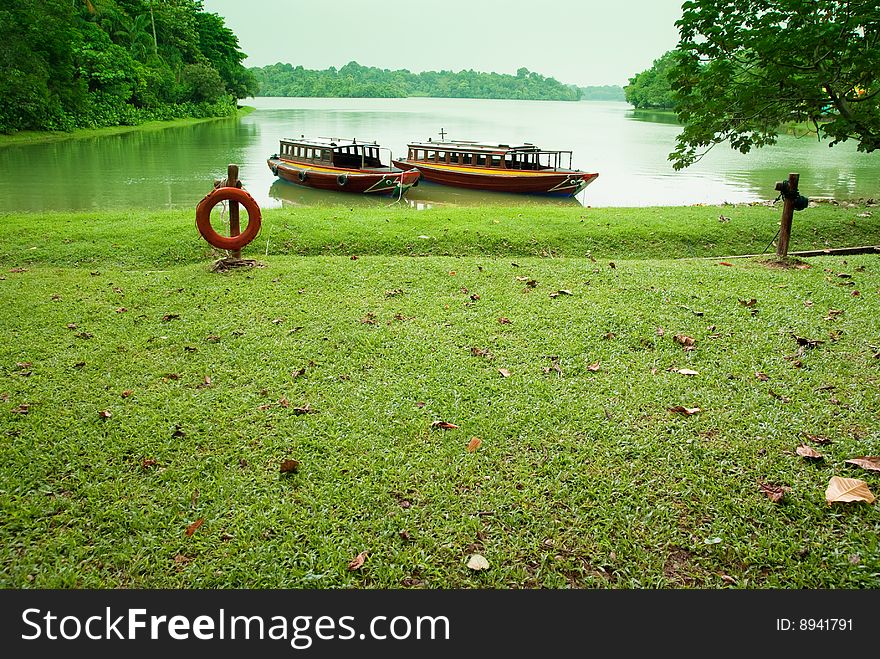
[(787, 214), (234, 226)]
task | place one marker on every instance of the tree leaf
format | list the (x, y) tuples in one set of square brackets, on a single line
[(105, 414), (477, 562), (192, 528), (685, 411), (809, 453), (504, 320), (504, 372), (474, 444), (817, 439), (684, 340), (595, 366), (847, 490), (444, 425), (869, 462), (305, 409), (773, 492), (686, 371), (763, 377), (357, 562), (289, 466)]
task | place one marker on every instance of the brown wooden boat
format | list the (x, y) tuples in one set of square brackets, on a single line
[(342, 165), (521, 168)]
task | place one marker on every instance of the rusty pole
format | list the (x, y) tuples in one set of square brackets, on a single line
[(234, 226), (787, 214)]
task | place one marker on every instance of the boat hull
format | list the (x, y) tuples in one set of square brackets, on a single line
[(558, 182), (358, 181)]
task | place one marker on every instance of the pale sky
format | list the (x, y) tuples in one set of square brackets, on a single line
[(582, 42)]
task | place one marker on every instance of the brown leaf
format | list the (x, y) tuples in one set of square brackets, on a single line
[(305, 409), (685, 411), (748, 303), (283, 402), (105, 414), (833, 313), (394, 293), (847, 490), (71, 326), (213, 338), (809, 453), (84, 335), (609, 335), (869, 462), (686, 371), (817, 439), (773, 492), (404, 535), (121, 310), (803, 266), (595, 366), (726, 263), (481, 352), (504, 320), (531, 283), (179, 432), (206, 381), (855, 293), (24, 408), (763, 377), (806, 343), (452, 273), (661, 331), (18, 270), (369, 319), (445, 425), (420, 404), (684, 340), (170, 316), (289, 466), (779, 397), (357, 562), (146, 463), (474, 444), (126, 393), (192, 528), (504, 372), (612, 265), (264, 407), (475, 297)]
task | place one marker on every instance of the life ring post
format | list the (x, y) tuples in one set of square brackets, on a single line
[(234, 225)]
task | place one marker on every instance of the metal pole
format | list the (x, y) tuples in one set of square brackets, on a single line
[(787, 215)]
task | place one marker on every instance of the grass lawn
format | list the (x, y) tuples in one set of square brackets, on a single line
[(583, 477)]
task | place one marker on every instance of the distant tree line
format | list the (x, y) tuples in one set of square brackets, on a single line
[(602, 93), (356, 81), (651, 89), (67, 64)]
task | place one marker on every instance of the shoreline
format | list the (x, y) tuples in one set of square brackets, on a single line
[(28, 137)]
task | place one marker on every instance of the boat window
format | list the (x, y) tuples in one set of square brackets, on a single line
[(481, 160), (442, 156), (495, 161), (467, 159), (429, 155)]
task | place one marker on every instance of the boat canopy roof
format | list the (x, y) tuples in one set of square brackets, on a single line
[(327, 142), (482, 147)]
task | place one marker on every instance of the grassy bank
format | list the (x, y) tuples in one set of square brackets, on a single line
[(143, 395), (43, 137), (161, 238)]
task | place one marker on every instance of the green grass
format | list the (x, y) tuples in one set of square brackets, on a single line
[(25, 137), (583, 478)]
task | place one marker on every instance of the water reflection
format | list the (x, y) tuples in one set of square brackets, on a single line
[(426, 195)]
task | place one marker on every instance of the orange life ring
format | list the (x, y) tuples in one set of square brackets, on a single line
[(203, 218)]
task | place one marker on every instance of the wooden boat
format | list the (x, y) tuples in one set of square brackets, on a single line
[(521, 168), (343, 165)]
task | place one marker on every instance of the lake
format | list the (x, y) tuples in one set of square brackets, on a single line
[(175, 167)]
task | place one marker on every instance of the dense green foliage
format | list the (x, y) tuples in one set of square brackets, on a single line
[(356, 81), (94, 63), (745, 67), (602, 93), (651, 89)]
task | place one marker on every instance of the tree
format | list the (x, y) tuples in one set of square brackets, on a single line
[(651, 88), (745, 67)]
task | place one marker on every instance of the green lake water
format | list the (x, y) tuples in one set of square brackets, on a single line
[(175, 167)]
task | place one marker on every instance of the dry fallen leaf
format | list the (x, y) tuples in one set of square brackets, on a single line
[(504, 372), (748, 303), (477, 562), (773, 492), (126, 393), (192, 528), (170, 316), (357, 562), (504, 320), (817, 439), (726, 263), (283, 402), (444, 425), (869, 462), (809, 453), (105, 414), (146, 463), (305, 409), (763, 377), (847, 490), (24, 408), (595, 366), (289, 466), (686, 371), (481, 352), (686, 411), (474, 444), (684, 340)]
